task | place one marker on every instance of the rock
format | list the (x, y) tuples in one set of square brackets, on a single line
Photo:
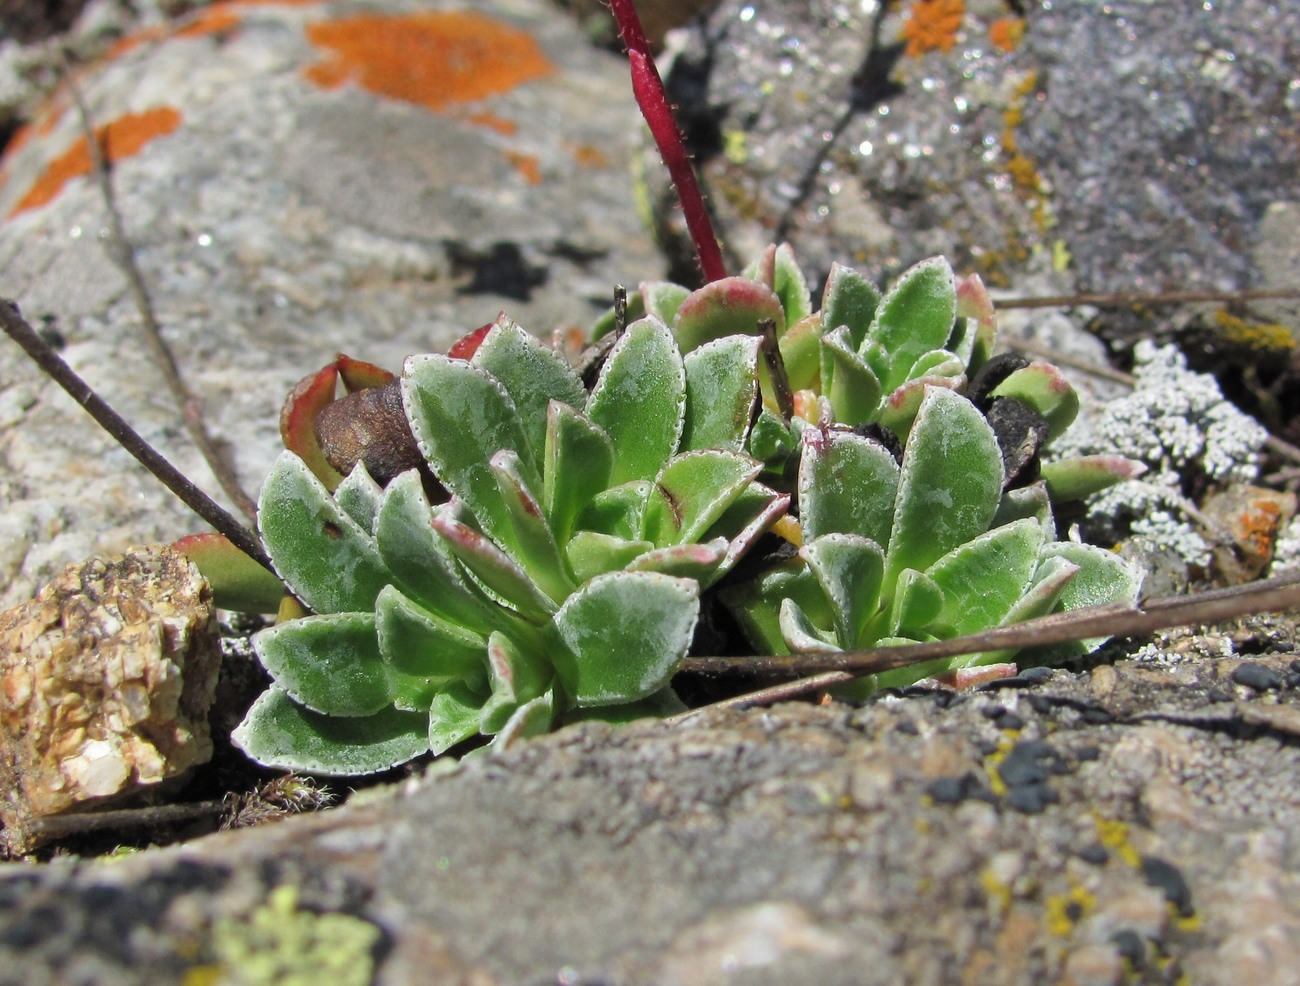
[(108, 675), (1107, 146), (296, 179), (792, 844)]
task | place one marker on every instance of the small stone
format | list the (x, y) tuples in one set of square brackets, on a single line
[(1169, 880), (108, 675), (1257, 676)]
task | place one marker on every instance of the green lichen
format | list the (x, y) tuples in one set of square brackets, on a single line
[(280, 945)]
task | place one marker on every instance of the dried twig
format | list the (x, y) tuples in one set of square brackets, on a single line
[(62, 826), (52, 363), (834, 668), (122, 253)]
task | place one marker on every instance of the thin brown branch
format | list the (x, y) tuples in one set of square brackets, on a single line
[(62, 826), (122, 253), (52, 363), (1123, 298), (833, 668)]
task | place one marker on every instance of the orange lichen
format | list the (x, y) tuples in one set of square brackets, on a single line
[(588, 155), (493, 122), (933, 26), (1006, 32), (120, 139), (215, 20), (527, 165), (430, 59), (128, 42)]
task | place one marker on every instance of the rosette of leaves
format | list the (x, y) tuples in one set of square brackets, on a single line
[(562, 577), (928, 548), (867, 359)]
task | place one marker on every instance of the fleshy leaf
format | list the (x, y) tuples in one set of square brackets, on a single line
[(985, 577), (721, 388), (693, 491), (771, 438), (662, 299), (1075, 478), (975, 307), (917, 603), (761, 508), (328, 561), (533, 718), (899, 409), (1044, 388), (690, 561), (847, 484), (640, 400), (848, 381), (277, 732), (532, 374), (238, 583), (357, 374), (1027, 501), (461, 416), (579, 458), (420, 561), (800, 634), (590, 553), (608, 322), (453, 717), (850, 570), (298, 422), (851, 300), (496, 570), (1103, 577), (618, 511), (726, 307), (359, 495), (516, 678), (621, 636), (415, 643), (790, 285), (915, 316), (535, 548), (331, 664), (949, 485), (800, 347), (756, 603)]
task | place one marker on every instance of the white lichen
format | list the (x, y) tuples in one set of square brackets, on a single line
[(1180, 425), (1286, 551)]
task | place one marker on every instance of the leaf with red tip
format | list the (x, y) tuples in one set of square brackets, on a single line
[(357, 374), (467, 345), (1075, 478), (727, 307), (298, 423)]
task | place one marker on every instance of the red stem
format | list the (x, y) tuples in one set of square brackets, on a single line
[(648, 88)]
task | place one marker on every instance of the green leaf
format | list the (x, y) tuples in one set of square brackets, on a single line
[(729, 306), (848, 381), (516, 677), (790, 285), (534, 545), (984, 578), (917, 603), (640, 400), (850, 570), (419, 645), (579, 460), (320, 552), (618, 511), (532, 374), (800, 347), (1103, 578), (608, 322), (689, 561), (621, 636), (899, 409), (533, 718), (693, 491), (756, 603), (851, 300), (915, 316), (721, 388), (590, 553), (949, 485), (662, 299), (1044, 388), (277, 732), (1027, 501), (975, 308), (238, 583), (495, 570), (847, 484), (331, 664), (750, 517), (453, 717), (800, 634), (461, 416), (1083, 475), (358, 496), (771, 438)]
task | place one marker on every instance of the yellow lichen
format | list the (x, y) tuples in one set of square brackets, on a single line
[(1064, 911), (1256, 336)]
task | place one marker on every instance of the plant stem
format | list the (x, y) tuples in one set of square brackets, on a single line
[(648, 88), (52, 363)]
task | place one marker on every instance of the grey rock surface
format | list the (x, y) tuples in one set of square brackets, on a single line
[(1135, 824), (301, 203), (1145, 142)]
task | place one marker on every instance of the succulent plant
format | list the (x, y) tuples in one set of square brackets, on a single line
[(562, 577), (927, 548)]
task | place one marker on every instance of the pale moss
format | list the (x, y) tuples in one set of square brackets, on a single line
[(280, 945)]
